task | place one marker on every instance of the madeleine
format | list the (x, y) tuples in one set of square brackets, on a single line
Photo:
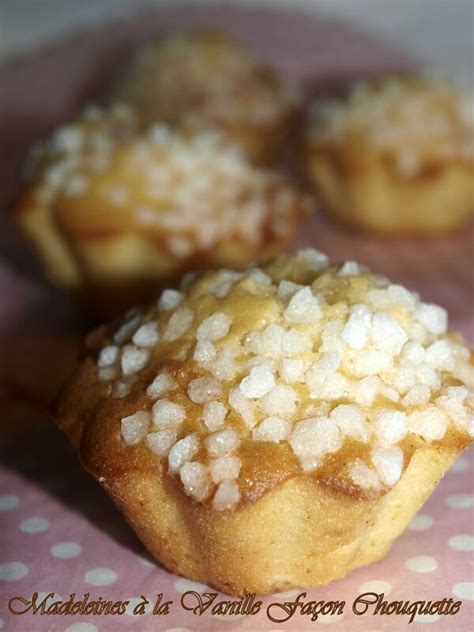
[(276, 427), (116, 209), (209, 76), (396, 155)]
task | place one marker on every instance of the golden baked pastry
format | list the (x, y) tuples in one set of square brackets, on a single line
[(114, 208), (209, 75), (397, 155), (272, 428)]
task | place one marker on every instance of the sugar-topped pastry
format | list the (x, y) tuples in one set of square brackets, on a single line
[(209, 75), (274, 427), (113, 208), (395, 155)]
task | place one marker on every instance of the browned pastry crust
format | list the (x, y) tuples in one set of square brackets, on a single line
[(321, 487)]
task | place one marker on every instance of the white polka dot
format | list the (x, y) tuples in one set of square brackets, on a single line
[(178, 630), (9, 502), (421, 522), (330, 618), (12, 571), (427, 618), (460, 465), (183, 585), (462, 542), (66, 550), (459, 501), (229, 617), (464, 590), (82, 627), (133, 603), (100, 576), (421, 564), (2, 623), (54, 597), (35, 525), (376, 586), (146, 562)]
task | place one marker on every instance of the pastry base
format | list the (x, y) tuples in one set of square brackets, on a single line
[(372, 196), (301, 533)]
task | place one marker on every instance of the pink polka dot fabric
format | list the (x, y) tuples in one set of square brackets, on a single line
[(60, 533)]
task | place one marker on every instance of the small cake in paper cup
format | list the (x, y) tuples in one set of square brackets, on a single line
[(210, 76), (115, 209), (395, 155), (275, 427)]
